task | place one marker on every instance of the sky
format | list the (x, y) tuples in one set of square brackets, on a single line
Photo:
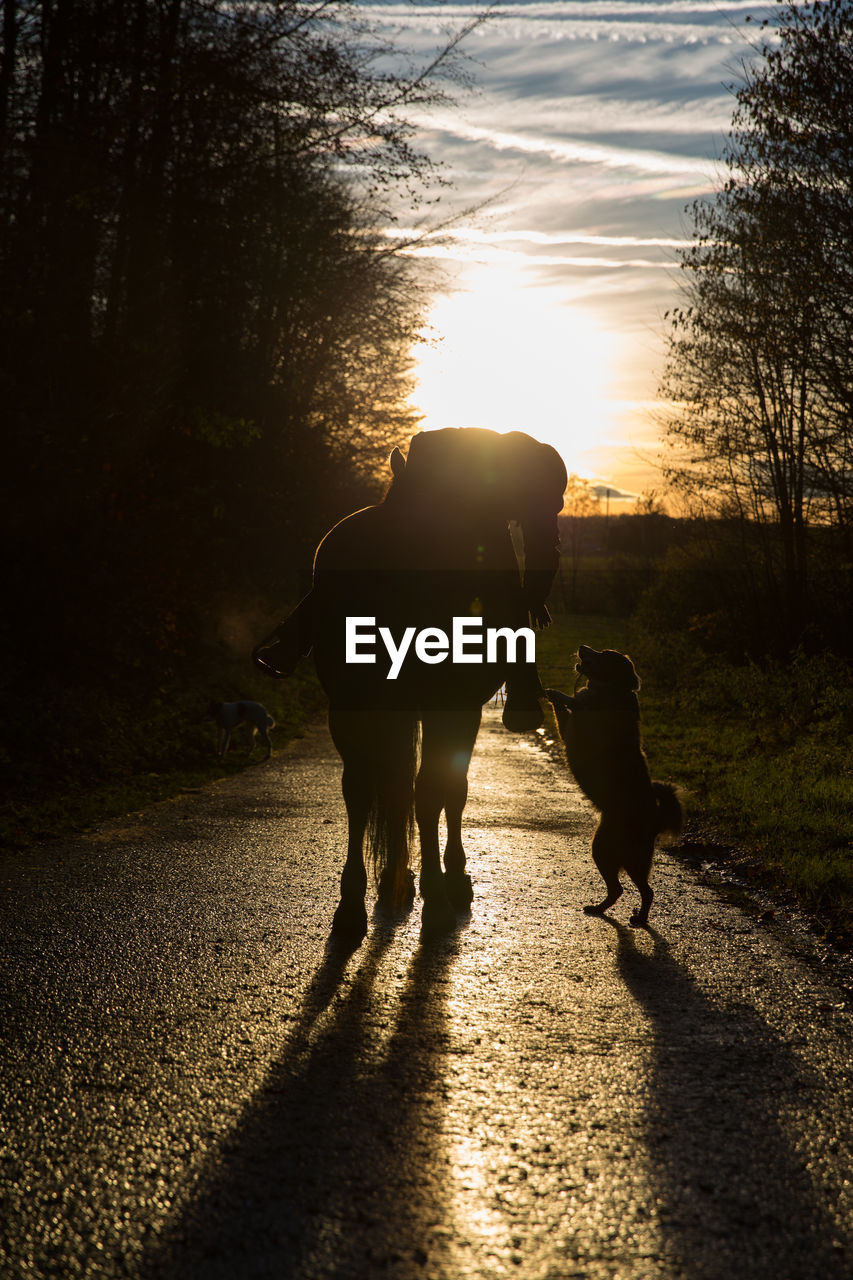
[(592, 125)]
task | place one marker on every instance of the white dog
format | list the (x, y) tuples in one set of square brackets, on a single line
[(228, 715)]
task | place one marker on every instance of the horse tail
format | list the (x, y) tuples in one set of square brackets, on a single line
[(670, 812), (391, 821)]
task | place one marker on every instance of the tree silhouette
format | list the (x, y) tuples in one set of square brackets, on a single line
[(204, 334), (760, 363)]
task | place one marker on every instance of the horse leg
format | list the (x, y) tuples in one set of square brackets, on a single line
[(442, 783), (395, 801), (350, 920), (456, 882), (439, 915)]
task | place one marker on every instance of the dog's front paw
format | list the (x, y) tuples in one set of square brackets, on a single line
[(557, 698)]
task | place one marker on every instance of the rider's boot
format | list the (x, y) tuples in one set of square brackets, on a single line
[(291, 640)]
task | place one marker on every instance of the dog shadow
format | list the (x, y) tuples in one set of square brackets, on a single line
[(735, 1194)]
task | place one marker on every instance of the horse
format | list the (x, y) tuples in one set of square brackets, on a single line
[(437, 548)]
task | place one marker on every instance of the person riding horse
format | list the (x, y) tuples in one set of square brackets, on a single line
[(454, 482), (438, 547)]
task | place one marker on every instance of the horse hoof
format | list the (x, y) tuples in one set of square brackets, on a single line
[(350, 922), (396, 896), (459, 890), (439, 917)]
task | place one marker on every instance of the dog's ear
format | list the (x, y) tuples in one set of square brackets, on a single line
[(619, 669)]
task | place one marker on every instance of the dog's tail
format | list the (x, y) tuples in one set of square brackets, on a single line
[(670, 812)]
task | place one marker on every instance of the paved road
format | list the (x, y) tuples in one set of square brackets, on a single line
[(195, 1086)]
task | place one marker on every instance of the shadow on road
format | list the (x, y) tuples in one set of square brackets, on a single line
[(335, 1168), (733, 1195)]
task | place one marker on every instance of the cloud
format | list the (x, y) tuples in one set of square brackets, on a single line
[(574, 150), (593, 124), (711, 17), (484, 255), (476, 235), (602, 489), (600, 114)]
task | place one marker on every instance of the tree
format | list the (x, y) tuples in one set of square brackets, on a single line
[(759, 370), (204, 336)]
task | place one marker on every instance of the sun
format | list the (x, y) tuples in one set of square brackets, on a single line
[(503, 354)]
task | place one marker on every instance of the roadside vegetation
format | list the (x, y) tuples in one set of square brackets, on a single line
[(762, 748), (82, 757)]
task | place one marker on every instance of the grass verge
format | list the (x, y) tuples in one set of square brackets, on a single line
[(81, 755)]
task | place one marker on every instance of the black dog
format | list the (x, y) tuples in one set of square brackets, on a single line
[(600, 726)]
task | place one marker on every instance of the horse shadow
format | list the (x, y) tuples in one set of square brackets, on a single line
[(733, 1194), (333, 1168)]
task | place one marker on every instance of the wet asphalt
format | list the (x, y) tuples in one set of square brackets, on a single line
[(196, 1084)]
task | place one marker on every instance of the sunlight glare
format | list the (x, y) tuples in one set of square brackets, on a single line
[(512, 357)]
